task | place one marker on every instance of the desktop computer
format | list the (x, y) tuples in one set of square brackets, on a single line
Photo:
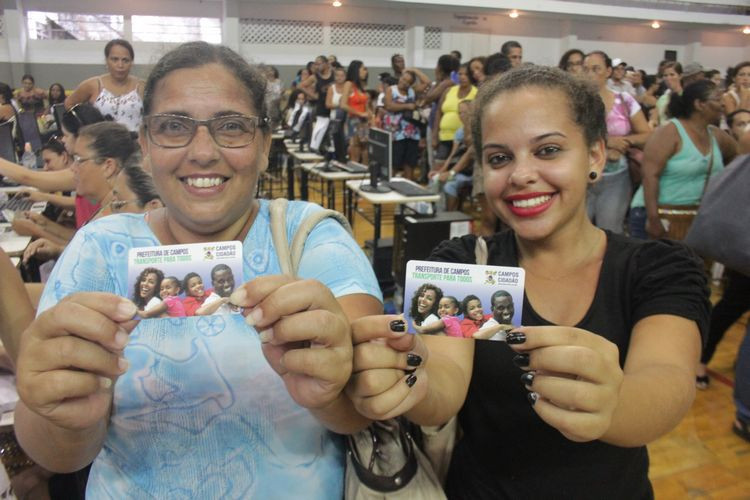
[(381, 260), (414, 236)]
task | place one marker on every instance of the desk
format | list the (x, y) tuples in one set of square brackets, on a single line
[(327, 179), (377, 200), (11, 242), (298, 158)]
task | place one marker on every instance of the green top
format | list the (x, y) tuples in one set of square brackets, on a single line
[(683, 178)]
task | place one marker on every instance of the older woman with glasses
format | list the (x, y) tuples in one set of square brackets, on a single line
[(208, 406)]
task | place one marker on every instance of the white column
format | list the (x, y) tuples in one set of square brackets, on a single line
[(230, 24)]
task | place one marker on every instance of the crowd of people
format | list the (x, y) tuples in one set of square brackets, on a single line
[(135, 384)]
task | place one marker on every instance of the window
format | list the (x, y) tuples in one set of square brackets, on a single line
[(67, 26), (176, 29)]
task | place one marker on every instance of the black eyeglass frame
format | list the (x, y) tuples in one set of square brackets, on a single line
[(258, 122)]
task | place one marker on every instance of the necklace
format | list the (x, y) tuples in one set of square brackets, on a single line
[(576, 268)]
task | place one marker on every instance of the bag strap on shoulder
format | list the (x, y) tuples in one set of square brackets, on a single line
[(290, 255)]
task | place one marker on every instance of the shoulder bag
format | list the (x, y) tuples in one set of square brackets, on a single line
[(721, 229)]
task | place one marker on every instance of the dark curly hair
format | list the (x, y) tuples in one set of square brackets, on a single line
[(139, 301), (586, 107), (413, 310)]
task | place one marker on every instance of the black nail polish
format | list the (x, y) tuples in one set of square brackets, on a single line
[(521, 360), (515, 338), (532, 397), (411, 380), (527, 378), (413, 359), (398, 325)]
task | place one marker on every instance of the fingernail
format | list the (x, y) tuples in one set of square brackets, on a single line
[(254, 317), (126, 309), (515, 338), (121, 338), (123, 364), (105, 383), (411, 380), (238, 297), (398, 326), (413, 359), (527, 378), (266, 335), (521, 360), (532, 397)]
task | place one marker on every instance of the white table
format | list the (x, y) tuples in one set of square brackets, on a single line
[(328, 180), (354, 190)]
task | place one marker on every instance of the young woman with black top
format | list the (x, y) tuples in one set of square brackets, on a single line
[(604, 362)]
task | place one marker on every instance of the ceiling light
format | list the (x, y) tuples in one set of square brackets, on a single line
[(336, 3), (746, 30), (656, 25), (513, 14)]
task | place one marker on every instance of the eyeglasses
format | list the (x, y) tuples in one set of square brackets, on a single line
[(117, 205), (79, 159), (176, 131)]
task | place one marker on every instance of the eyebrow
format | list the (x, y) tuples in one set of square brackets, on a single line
[(536, 139), (218, 114)]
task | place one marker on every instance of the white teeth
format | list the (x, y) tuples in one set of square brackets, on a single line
[(204, 182), (532, 202)]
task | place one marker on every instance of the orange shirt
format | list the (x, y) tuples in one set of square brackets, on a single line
[(357, 101)]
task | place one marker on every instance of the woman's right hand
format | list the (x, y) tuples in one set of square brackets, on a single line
[(43, 249), (619, 144), (388, 376), (71, 355), (655, 229)]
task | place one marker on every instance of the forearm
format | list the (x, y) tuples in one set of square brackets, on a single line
[(466, 159), (59, 200), (638, 140), (646, 410), (340, 416), (44, 181), (55, 448), (16, 311), (651, 194)]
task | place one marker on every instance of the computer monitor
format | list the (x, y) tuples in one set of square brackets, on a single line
[(7, 144), (59, 110), (379, 149)]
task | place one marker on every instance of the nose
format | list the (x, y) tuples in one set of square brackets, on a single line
[(203, 148), (524, 172)]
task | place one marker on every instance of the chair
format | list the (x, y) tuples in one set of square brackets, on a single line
[(7, 145), (30, 129)]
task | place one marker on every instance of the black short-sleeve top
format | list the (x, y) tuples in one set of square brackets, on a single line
[(507, 451)]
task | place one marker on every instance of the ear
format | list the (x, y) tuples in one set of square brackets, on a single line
[(110, 169), (597, 159), (153, 205)]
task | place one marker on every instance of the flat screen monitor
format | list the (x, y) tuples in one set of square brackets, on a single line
[(379, 147), (7, 145), (59, 111)]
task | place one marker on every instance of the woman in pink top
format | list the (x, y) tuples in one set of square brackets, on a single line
[(608, 199)]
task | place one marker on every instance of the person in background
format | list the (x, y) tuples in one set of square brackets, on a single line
[(316, 87), (737, 95), (447, 119), (715, 76), (692, 72), (513, 51), (570, 396), (274, 89), (338, 115), (354, 100), (572, 61), (56, 96), (609, 196), (29, 96), (680, 156), (398, 65), (617, 82), (738, 122), (476, 70), (672, 78), (116, 93), (400, 104), (7, 111)]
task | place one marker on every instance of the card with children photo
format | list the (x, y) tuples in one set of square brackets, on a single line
[(184, 280), (463, 300)]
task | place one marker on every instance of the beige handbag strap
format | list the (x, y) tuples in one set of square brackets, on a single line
[(290, 255), (711, 140), (480, 251)]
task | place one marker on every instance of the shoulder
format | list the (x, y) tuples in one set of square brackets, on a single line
[(459, 250), (630, 102)]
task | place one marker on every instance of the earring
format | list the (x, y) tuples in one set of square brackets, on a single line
[(593, 175)]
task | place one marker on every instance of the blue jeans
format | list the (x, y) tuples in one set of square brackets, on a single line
[(452, 187), (742, 379), (607, 200), (637, 223)]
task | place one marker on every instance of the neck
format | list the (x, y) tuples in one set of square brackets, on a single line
[(172, 232), (563, 250), (697, 124)]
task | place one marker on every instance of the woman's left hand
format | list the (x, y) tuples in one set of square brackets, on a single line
[(576, 378), (305, 334)]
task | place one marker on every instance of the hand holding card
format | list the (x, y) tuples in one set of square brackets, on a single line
[(388, 375), (305, 334), (71, 355)]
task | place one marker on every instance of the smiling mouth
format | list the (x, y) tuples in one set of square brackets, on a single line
[(531, 202), (204, 182)]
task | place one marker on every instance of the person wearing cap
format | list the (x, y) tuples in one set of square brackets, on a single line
[(617, 82), (692, 73)]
